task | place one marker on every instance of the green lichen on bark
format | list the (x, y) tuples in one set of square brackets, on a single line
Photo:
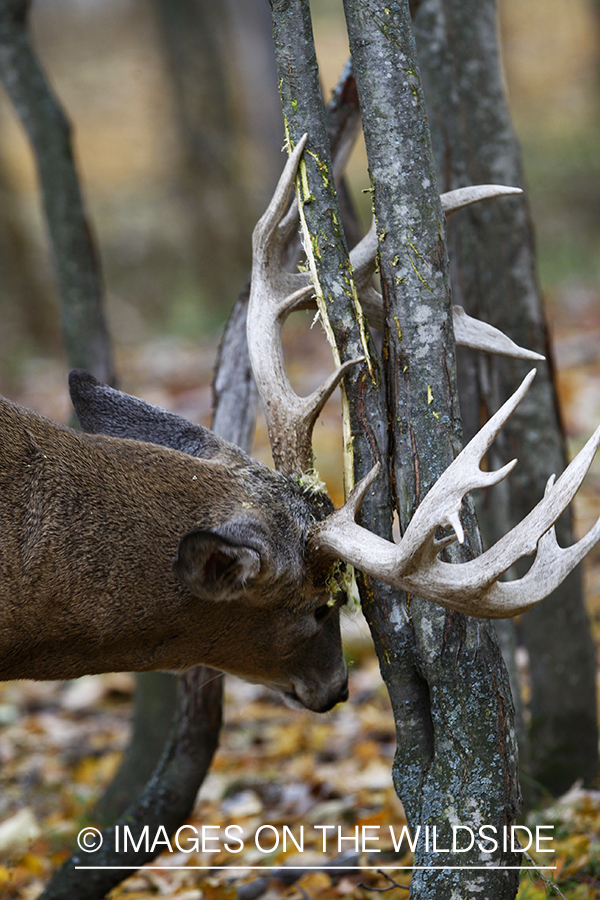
[(456, 756), (456, 759)]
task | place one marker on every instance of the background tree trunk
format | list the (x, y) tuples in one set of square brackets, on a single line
[(76, 264), (221, 62), (492, 259)]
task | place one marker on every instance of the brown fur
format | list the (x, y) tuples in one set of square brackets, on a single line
[(90, 528)]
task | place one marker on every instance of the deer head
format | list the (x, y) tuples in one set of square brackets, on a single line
[(124, 555)]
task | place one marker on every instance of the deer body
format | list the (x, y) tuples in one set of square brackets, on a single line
[(91, 526)]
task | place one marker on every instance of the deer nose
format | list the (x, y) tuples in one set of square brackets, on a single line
[(319, 701), (343, 692), (340, 697)]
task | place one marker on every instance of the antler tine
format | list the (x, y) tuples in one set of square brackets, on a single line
[(470, 587), (468, 332), (265, 231), (478, 335), (290, 418), (363, 254), (439, 508), (550, 567), (442, 504), (522, 540), (466, 196)]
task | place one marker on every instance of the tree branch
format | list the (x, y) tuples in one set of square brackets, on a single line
[(75, 261)]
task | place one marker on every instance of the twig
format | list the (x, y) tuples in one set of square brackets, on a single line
[(384, 889), (550, 884)]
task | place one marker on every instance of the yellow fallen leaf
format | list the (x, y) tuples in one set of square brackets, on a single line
[(215, 890), (34, 864), (313, 882)]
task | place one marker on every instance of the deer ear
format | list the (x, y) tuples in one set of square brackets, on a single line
[(214, 567), (103, 410)]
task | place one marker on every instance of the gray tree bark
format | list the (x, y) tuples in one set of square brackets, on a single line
[(456, 757), (492, 258), (27, 303)]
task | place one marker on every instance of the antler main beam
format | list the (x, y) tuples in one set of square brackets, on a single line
[(274, 294), (471, 587)]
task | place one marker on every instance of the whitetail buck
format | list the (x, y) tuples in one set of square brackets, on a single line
[(118, 554)]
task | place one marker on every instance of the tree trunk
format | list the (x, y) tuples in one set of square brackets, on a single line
[(222, 72), (456, 757), (493, 276), (469, 698), (75, 261), (155, 703)]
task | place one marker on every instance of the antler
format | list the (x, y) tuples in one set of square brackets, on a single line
[(274, 294), (468, 332), (413, 564), (471, 587)]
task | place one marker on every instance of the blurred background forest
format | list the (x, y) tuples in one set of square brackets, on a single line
[(173, 203)]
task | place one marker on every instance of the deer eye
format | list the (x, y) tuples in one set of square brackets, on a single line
[(321, 612)]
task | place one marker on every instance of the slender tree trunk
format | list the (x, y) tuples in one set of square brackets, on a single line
[(75, 261), (155, 703), (493, 276), (222, 73), (456, 757)]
